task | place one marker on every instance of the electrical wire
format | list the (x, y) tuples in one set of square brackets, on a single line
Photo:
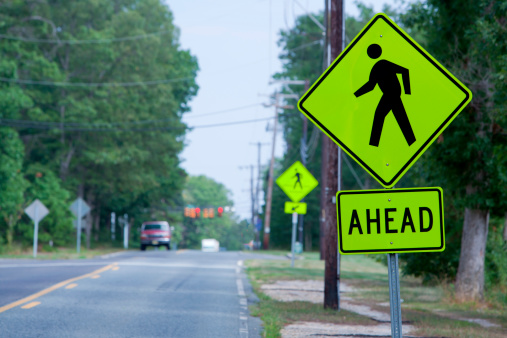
[(96, 84), (81, 42), (53, 124), (127, 84), (38, 125)]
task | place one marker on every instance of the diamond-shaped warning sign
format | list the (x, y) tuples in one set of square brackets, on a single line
[(296, 182), (384, 100)]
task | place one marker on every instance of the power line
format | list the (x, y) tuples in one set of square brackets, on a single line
[(53, 124), (225, 111), (81, 42), (38, 125), (96, 84)]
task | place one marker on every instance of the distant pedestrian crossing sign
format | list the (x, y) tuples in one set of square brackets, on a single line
[(384, 100), (297, 182)]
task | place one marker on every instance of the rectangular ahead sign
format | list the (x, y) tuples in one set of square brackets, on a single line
[(390, 221), (294, 207)]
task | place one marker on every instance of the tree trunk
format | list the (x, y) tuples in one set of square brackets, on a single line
[(505, 228), (89, 219), (96, 225), (470, 278), (10, 231), (308, 236)]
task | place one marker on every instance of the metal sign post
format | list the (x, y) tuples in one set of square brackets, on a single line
[(35, 230), (394, 294), (294, 223), (36, 211), (113, 226), (125, 231), (80, 209)]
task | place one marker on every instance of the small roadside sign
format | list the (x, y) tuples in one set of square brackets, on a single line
[(295, 207), (390, 221), (296, 182), (36, 211), (79, 207), (384, 100)]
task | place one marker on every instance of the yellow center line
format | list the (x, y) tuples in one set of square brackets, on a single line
[(30, 305), (71, 286), (95, 277), (115, 268), (181, 251), (53, 288)]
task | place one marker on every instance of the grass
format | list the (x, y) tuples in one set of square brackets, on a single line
[(431, 309), (59, 253)]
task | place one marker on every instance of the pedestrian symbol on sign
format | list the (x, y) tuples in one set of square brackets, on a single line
[(384, 73), (291, 181), (298, 180)]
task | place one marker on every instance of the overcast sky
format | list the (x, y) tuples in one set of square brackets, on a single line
[(235, 44)]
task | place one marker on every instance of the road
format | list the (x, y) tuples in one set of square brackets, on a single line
[(129, 294)]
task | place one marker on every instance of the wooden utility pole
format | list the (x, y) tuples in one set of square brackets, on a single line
[(333, 174), (257, 191), (269, 197), (323, 157)]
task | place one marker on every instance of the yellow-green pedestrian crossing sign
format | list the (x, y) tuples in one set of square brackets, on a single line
[(296, 182), (384, 100)]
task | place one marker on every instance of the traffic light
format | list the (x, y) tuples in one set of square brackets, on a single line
[(197, 212), (192, 212), (211, 212), (187, 212), (205, 212), (220, 210)]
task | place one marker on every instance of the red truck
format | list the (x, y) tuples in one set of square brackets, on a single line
[(156, 233)]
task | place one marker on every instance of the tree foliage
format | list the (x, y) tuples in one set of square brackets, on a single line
[(204, 193), (96, 91), (469, 160)]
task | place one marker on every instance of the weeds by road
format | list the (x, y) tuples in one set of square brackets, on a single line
[(430, 309), (59, 253)]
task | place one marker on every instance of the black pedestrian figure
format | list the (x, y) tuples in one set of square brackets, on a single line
[(298, 176), (384, 73)]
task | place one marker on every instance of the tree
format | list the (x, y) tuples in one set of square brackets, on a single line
[(108, 84), (469, 159), (12, 183), (205, 193)]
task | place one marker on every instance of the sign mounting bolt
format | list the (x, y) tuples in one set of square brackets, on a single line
[(380, 35), (387, 164), (391, 242), (389, 200)]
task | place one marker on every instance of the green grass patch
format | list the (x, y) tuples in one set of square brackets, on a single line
[(59, 253), (275, 315), (430, 308)]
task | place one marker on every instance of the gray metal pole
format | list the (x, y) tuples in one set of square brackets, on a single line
[(394, 295), (126, 231), (294, 224), (79, 216), (36, 231)]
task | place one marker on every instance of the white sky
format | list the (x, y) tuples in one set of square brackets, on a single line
[(235, 44)]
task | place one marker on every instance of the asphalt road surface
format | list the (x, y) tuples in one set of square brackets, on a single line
[(130, 294)]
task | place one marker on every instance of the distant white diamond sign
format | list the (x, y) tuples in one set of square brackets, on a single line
[(36, 211), (79, 207)]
